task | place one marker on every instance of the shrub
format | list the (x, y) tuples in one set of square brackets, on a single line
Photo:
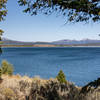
[(6, 68), (61, 77), (9, 94)]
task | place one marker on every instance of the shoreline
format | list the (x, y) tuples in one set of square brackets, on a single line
[(46, 46)]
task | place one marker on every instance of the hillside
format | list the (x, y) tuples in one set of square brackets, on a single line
[(65, 42), (76, 42), (7, 41)]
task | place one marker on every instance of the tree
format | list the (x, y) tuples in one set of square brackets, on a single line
[(75, 10), (3, 13), (61, 77), (3, 10), (1, 32), (6, 68)]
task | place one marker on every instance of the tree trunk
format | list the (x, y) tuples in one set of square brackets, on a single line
[(0, 46)]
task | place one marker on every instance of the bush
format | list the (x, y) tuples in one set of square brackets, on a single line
[(9, 94), (61, 77), (6, 68)]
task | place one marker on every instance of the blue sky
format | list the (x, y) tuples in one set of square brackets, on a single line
[(23, 27)]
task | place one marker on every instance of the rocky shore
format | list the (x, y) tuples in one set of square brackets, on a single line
[(16, 87)]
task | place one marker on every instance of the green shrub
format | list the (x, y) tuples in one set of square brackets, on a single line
[(61, 77), (6, 68)]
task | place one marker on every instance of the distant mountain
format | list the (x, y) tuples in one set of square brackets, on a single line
[(7, 41), (75, 42), (84, 42)]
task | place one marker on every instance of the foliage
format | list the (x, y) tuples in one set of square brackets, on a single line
[(61, 77), (6, 68), (1, 32), (75, 10), (3, 10), (9, 94)]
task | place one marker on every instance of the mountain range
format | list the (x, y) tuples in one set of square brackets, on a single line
[(65, 42)]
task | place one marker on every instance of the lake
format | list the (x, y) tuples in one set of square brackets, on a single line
[(80, 64)]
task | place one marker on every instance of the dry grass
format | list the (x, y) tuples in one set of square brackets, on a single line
[(18, 87)]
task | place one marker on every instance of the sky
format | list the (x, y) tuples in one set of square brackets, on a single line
[(24, 27)]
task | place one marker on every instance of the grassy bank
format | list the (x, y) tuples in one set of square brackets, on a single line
[(16, 87)]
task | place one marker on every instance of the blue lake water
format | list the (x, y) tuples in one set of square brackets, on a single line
[(80, 65)]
